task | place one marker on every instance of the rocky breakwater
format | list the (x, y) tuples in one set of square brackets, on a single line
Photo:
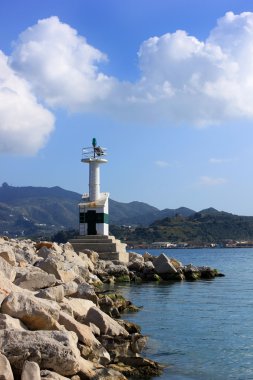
[(163, 268), (57, 321)]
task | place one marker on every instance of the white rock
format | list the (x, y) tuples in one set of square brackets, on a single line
[(106, 324), (79, 306), (83, 332), (35, 313), (7, 322), (5, 368), (7, 270), (6, 252), (163, 264), (30, 371)]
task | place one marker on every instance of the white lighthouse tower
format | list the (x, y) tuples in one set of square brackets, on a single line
[(93, 210), (93, 213)]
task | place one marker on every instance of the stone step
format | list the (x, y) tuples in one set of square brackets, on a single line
[(95, 241), (108, 247), (84, 237), (98, 247)]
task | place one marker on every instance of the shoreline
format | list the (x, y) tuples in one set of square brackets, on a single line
[(53, 297)]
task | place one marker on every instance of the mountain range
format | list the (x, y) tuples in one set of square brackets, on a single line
[(42, 212), (36, 210)]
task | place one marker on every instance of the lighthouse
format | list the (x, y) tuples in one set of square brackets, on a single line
[(93, 213), (93, 210)]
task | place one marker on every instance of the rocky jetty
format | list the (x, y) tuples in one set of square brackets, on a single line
[(58, 321)]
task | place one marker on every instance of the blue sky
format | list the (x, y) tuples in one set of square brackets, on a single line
[(166, 86)]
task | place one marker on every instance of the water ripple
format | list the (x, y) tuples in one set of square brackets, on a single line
[(201, 330)]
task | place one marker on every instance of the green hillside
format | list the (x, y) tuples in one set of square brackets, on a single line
[(207, 226)]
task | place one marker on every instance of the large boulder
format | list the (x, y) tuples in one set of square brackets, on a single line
[(7, 286), (148, 257), (106, 324), (87, 261), (61, 270), (7, 269), (123, 346), (79, 307), (31, 370), (7, 322), (136, 262), (163, 264), (92, 255), (66, 266), (26, 253), (87, 292), (6, 252), (34, 278), (109, 374), (55, 293), (5, 368), (56, 350), (191, 272), (70, 288), (82, 331), (35, 313), (117, 270), (87, 312), (50, 375)]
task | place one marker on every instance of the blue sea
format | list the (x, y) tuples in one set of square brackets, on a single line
[(200, 330)]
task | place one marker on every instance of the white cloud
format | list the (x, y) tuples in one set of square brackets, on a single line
[(208, 81), (60, 65), (221, 160), (162, 164), (24, 124), (210, 181), (182, 79)]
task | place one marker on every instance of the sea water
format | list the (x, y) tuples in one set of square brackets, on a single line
[(200, 330)]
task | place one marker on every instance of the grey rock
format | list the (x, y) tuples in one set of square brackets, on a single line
[(34, 278), (87, 292), (70, 288), (117, 270), (55, 293), (49, 375), (56, 350)]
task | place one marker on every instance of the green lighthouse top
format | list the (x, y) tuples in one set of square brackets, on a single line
[(94, 142)]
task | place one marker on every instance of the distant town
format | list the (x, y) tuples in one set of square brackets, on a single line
[(169, 245)]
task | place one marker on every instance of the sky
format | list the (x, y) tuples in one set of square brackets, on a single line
[(165, 85)]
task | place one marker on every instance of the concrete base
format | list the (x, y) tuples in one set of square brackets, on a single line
[(108, 247)]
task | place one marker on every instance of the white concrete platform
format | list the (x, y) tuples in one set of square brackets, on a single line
[(108, 247)]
